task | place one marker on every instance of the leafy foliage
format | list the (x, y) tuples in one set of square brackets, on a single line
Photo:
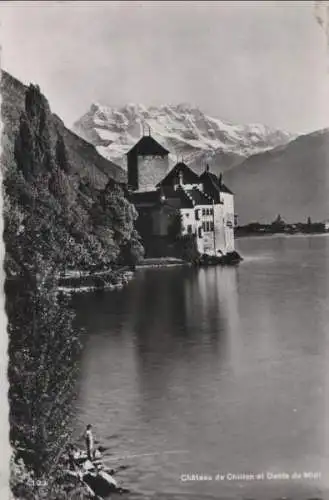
[(186, 248), (113, 219), (51, 224)]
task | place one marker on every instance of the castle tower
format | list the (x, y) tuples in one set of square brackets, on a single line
[(148, 164)]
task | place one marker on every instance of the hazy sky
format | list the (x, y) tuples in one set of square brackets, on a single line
[(239, 61)]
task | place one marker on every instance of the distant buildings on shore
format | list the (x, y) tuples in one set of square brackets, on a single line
[(280, 226), (178, 201)]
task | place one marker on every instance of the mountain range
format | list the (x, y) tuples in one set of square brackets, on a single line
[(183, 129)]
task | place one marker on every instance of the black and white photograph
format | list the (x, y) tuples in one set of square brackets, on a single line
[(165, 250)]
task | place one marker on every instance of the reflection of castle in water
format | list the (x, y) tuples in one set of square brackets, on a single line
[(212, 305), (190, 324)]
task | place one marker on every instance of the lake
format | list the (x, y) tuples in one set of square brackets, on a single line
[(216, 372)]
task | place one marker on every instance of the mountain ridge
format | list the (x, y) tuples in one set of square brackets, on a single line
[(291, 180), (182, 128), (96, 167)]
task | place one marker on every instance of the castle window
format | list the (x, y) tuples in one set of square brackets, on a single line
[(208, 226)]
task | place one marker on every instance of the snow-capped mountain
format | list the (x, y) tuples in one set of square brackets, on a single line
[(182, 129)]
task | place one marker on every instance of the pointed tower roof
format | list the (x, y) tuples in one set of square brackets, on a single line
[(148, 146), (214, 182), (180, 169)]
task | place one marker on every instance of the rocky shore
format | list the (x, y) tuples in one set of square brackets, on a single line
[(85, 281)]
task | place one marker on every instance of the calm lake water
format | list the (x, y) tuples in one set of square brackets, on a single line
[(225, 367)]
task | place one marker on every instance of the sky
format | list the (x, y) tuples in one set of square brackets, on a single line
[(243, 62)]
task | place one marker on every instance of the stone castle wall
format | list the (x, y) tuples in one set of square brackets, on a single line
[(151, 170)]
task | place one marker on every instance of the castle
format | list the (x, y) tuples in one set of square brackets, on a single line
[(204, 203)]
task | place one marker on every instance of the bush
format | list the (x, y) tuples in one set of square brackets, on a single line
[(186, 248)]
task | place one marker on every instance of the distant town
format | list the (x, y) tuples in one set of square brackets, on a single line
[(280, 226)]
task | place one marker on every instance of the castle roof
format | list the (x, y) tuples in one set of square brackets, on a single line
[(186, 198), (214, 182), (188, 176), (148, 146), (177, 198), (199, 197)]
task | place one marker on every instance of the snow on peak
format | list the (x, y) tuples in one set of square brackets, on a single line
[(181, 128)]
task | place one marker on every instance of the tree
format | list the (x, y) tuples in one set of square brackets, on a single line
[(187, 249), (113, 218), (132, 252), (42, 342), (33, 146), (61, 154), (43, 350)]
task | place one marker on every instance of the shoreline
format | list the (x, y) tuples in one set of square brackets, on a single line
[(75, 281), (275, 235), (157, 262), (81, 281)]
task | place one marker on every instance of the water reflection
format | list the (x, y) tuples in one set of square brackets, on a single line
[(174, 325)]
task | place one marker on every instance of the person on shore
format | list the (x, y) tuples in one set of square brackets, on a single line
[(89, 439)]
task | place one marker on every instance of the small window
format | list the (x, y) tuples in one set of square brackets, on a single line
[(204, 226), (211, 226), (197, 217), (211, 211), (203, 211), (200, 232), (187, 214), (189, 229)]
